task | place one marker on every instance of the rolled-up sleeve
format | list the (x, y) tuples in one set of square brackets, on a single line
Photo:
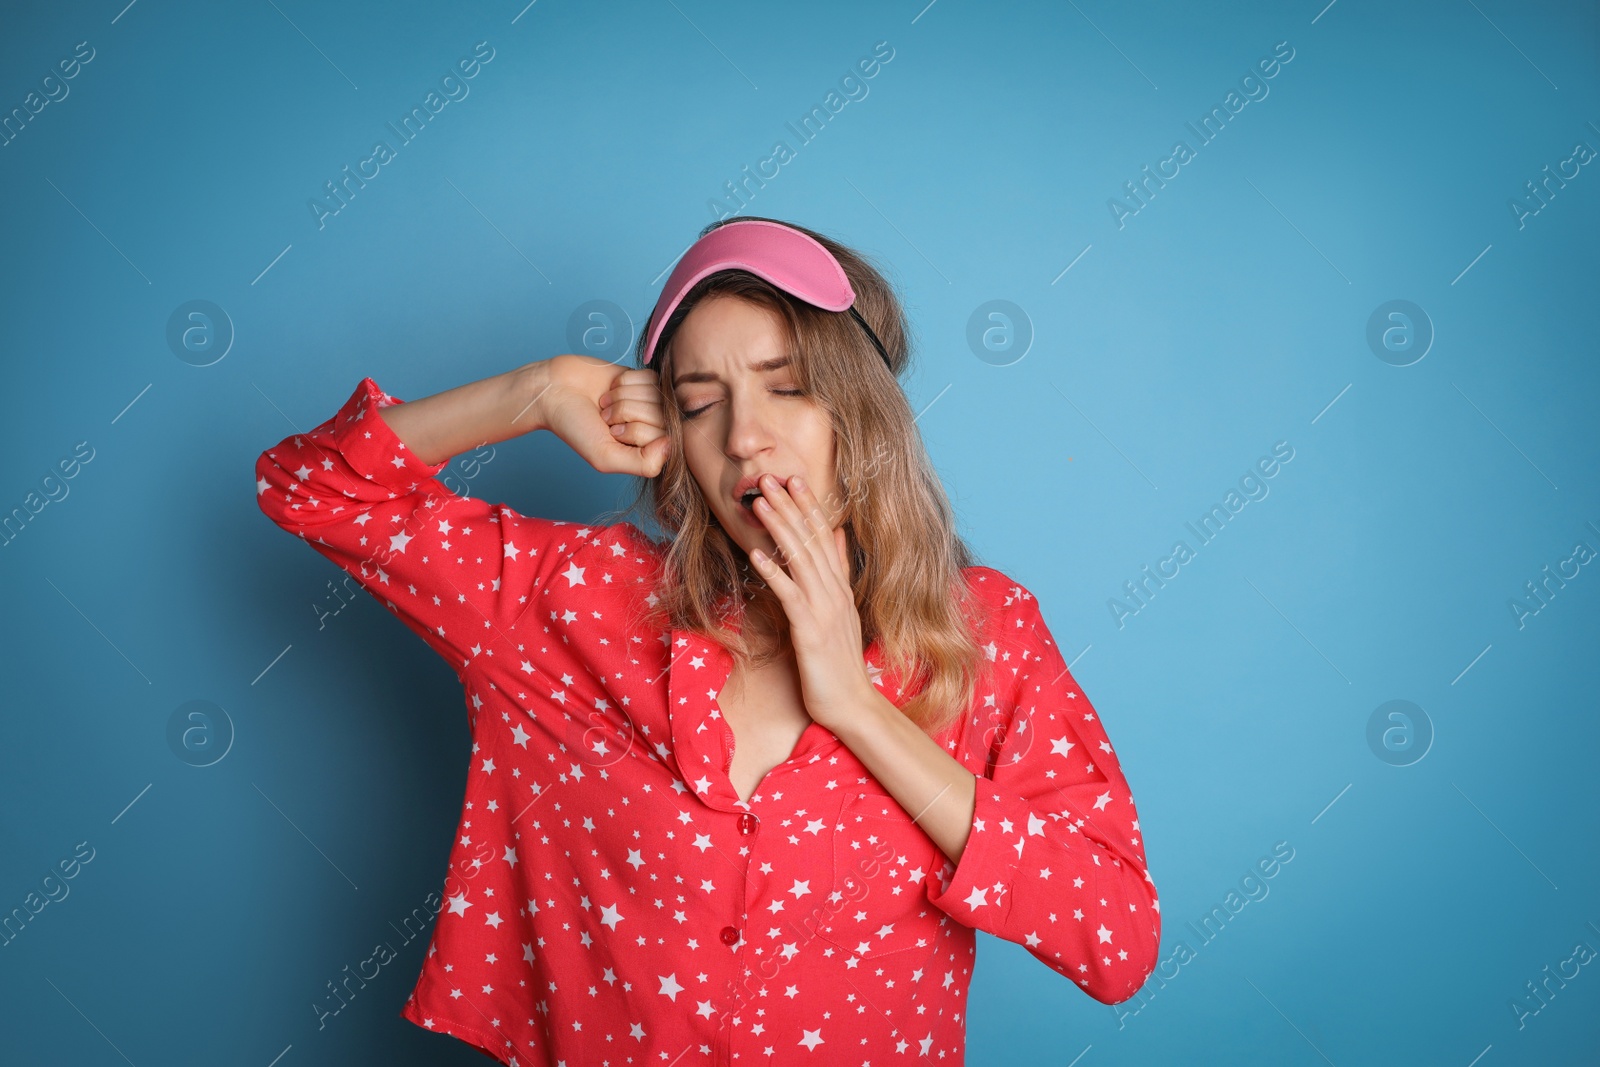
[(457, 570), (1055, 859)]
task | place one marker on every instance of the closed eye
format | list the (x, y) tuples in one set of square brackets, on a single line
[(781, 392)]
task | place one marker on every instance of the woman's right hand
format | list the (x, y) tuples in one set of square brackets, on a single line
[(586, 399)]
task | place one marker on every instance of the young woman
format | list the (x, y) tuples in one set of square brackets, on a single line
[(742, 795)]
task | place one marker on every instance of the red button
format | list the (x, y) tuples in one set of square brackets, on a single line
[(747, 824), (730, 936)]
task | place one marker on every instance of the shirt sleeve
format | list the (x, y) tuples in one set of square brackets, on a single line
[(457, 570), (1055, 858)]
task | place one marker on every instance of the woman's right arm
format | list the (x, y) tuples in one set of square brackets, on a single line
[(485, 412), (579, 398), (362, 489)]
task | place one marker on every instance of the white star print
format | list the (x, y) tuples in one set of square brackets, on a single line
[(549, 821)]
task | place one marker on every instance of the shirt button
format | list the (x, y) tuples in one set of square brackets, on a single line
[(730, 936), (747, 824)]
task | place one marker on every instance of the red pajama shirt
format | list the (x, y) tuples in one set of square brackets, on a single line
[(611, 900)]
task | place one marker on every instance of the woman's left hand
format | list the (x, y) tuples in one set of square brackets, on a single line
[(813, 585)]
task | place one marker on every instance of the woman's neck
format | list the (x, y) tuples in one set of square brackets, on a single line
[(765, 629)]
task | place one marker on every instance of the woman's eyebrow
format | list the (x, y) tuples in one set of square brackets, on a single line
[(776, 363)]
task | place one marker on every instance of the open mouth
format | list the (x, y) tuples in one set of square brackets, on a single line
[(747, 494)]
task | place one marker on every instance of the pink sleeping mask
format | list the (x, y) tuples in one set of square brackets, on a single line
[(789, 259)]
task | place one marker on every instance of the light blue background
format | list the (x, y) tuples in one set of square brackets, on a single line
[(1226, 315)]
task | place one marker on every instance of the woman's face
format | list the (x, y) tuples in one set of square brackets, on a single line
[(740, 419)]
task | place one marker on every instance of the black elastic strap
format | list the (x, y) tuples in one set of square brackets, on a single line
[(871, 336)]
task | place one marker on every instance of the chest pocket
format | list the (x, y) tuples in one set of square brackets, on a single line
[(882, 863)]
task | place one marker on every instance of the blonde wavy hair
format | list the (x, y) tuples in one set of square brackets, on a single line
[(906, 558)]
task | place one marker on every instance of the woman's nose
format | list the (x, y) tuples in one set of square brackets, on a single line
[(748, 429)]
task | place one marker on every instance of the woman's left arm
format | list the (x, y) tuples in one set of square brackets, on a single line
[(1052, 857), (1044, 833)]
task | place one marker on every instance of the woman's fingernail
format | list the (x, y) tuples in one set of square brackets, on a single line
[(619, 427), (797, 483)]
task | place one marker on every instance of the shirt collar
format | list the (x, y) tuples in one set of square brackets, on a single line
[(697, 670)]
